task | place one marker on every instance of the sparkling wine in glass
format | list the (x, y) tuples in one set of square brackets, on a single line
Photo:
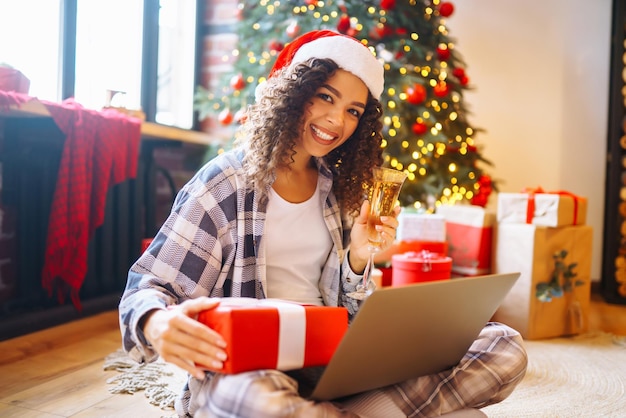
[(384, 194)]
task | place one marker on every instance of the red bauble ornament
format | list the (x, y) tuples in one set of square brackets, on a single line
[(443, 53), (293, 30), (479, 200), (384, 31), (237, 82), (446, 9), (344, 23), (225, 117), (485, 181), (416, 94), (275, 45), (485, 187), (419, 128), (458, 72), (441, 89), (311, 2), (387, 4)]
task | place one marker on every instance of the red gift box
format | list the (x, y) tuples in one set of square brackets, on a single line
[(276, 334), (469, 231), (383, 260), (13, 80), (423, 266)]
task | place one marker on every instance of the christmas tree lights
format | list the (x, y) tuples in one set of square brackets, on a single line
[(426, 128)]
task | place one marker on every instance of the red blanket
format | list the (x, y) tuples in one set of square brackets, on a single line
[(101, 149)]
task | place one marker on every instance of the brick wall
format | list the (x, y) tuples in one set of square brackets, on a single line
[(219, 41)]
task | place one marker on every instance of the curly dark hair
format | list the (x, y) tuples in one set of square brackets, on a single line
[(274, 124)]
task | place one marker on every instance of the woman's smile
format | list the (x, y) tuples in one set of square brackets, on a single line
[(324, 136)]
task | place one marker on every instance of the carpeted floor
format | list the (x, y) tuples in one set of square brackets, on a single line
[(583, 376)]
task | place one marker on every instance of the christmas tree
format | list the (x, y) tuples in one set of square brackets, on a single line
[(426, 127)]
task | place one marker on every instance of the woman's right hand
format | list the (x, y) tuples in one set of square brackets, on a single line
[(181, 340)]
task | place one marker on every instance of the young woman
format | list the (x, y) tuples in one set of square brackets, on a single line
[(282, 215)]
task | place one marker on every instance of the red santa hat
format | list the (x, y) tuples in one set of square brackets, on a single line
[(347, 52)]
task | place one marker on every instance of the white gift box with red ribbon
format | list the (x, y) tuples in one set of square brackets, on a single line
[(276, 334), (541, 208), (414, 226)]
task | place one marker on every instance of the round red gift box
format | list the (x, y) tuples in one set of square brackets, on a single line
[(400, 247), (422, 266)]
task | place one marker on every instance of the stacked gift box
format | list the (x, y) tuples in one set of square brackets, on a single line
[(541, 235), (469, 234), (544, 237), (419, 253), (455, 241)]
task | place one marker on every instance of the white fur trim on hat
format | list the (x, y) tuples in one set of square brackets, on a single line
[(350, 55)]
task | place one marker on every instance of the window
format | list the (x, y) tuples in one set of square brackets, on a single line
[(108, 53), (30, 30), (176, 66), (126, 53)]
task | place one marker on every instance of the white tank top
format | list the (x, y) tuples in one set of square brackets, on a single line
[(297, 244)]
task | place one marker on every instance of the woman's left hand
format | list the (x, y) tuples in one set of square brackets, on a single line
[(359, 251)]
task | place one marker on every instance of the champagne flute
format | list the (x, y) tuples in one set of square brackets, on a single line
[(384, 194)]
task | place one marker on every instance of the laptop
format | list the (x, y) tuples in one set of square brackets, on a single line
[(410, 331)]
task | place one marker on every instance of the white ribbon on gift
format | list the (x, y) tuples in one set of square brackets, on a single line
[(291, 332)]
